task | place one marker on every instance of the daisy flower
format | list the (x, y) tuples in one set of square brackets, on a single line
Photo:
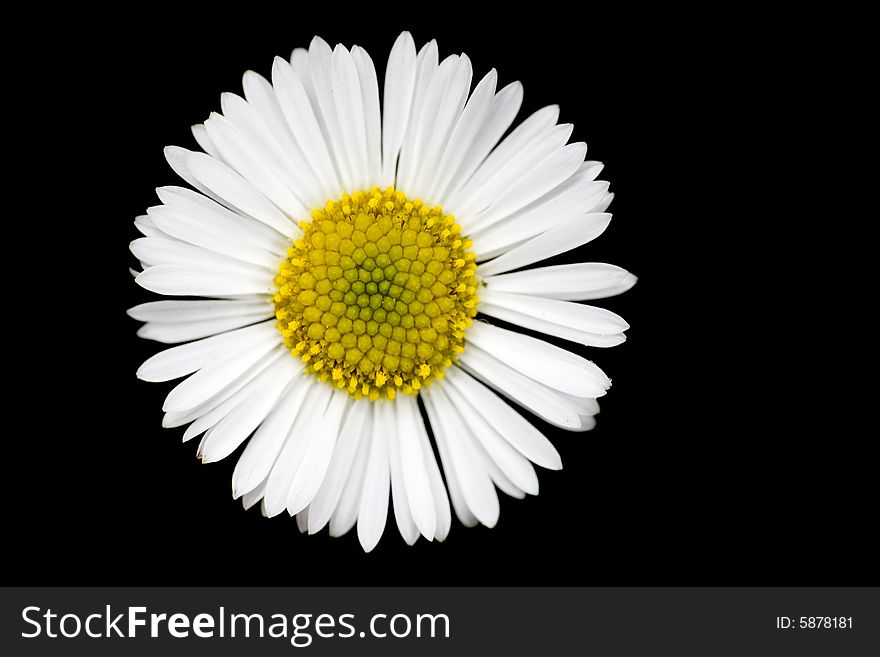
[(340, 249)]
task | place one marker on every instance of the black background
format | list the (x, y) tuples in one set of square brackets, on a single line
[(701, 469)]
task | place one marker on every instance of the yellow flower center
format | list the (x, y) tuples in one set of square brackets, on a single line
[(377, 293)]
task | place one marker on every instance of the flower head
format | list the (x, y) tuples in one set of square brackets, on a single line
[(342, 251)]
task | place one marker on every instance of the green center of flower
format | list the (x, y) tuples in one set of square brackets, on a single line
[(377, 293)]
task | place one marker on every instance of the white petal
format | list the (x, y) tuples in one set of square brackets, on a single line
[(466, 131), (510, 233), (239, 193), (415, 478), (520, 178), (498, 477), (174, 311), (539, 360), (301, 64), (274, 150), (302, 520), (399, 494), (565, 332), (576, 196), (202, 444), (213, 404), (175, 332), (577, 322), (438, 489), (503, 110), (301, 119), (262, 98), (513, 465), (208, 413), (355, 428), (400, 78), (500, 480), (261, 452), (373, 508), (588, 423), (443, 106), (426, 67), (346, 512), (529, 394), (581, 281), (234, 429), (536, 129), (592, 169), (214, 376), (196, 219), (419, 133), (253, 496), (199, 281), (310, 473), (584, 405), (167, 251), (372, 116), (146, 227), (563, 237), (462, 512), (476, 485), (304, 428), (187, 358), (204, 140), (539, 179), (320, 64), (176, 158), (512, 426), (299, 61), (345, 91), (253, 166)]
